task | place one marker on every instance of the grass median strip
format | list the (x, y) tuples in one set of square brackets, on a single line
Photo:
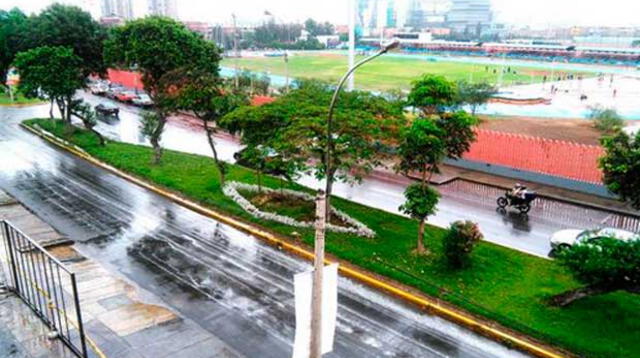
[(502, 284)]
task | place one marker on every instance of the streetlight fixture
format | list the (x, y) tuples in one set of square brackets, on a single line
[(323, 210)]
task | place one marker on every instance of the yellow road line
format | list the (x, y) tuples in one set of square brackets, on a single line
[(423, 302)]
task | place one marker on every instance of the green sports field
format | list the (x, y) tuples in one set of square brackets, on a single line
[(387, 73)]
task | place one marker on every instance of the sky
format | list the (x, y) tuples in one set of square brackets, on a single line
[(536, 13)]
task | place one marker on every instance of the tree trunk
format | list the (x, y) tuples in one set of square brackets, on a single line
[(420, 249), (100, 137), (51, 109), (155, 138), (328, 195), (570, 296), (61, 109), (68, 106), (212, 144)]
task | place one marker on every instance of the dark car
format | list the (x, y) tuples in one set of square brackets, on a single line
[(107, 109)]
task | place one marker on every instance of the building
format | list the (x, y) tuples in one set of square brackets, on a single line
[(470, 16), (167, 8), (422, 14), (117, 8), (203, 28)]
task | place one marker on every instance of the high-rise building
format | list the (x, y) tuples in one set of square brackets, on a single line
[(163, 8), (425, 13), (471, 16), (117, 8)]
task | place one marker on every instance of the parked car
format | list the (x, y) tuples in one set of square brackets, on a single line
[(126, 96), (564, 239), (107, 109), (98, 88), (142, 100)]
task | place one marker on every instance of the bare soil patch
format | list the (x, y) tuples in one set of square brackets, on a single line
[(572, 130)]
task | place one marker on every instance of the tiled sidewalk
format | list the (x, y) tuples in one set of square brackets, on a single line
[(23, 335)]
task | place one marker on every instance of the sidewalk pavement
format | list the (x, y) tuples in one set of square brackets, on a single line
[(22, 333), (118, 323)]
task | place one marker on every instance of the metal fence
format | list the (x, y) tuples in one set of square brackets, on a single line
[(45, 285)]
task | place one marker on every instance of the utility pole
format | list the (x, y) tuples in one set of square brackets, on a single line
[(235, 49), (352, 40), (318, 267), (286, 71)]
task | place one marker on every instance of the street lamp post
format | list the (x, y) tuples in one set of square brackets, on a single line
[(329, 147), (323, 213)]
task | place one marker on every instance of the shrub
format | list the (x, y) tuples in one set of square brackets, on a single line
[(459, 241), (605, 120)]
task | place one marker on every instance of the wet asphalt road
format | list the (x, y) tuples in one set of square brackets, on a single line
[(460, 200), (228, 282)]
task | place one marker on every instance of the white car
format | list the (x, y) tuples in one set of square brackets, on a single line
[(566, 238), (142, 100)]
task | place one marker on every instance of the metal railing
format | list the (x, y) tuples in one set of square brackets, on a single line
[(45, 285)]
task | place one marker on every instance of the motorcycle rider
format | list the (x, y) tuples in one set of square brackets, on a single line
[(518, 191)]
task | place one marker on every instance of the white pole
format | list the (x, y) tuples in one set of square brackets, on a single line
[(318, 266), (352, 40)]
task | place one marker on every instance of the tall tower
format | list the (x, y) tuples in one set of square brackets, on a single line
[(118, 8), (470, 15), (167, 8)]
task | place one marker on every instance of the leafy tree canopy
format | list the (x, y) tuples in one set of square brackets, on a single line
[(52, 73), (12, 27), (475, 94), (433, 94), (157, 45), (69, 26), (295, 126), (422, 147), (621, 166), (604, 265), (457, 132), (420, 201)]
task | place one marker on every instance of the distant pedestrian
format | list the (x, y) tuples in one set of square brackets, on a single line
[(615, 92)]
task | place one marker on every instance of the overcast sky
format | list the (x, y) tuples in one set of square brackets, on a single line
[(531, 12)]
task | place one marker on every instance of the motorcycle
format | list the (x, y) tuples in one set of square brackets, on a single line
[(522, 204)]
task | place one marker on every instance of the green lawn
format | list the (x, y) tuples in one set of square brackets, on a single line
[(385, 73), (502, 284), (18, 99)]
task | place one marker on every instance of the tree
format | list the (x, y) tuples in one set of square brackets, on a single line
[(621, 166), (294, 126), (459, 241), (51, 73), (475, 94), (606, 120), (458, 132), (156, 46), (433, 94), (12, 26), (203, 93), (421, 150), (71, 27), (420, 202), (603, 266), (87, 115)]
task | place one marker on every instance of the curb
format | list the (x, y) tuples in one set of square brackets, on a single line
[(422, 301)]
